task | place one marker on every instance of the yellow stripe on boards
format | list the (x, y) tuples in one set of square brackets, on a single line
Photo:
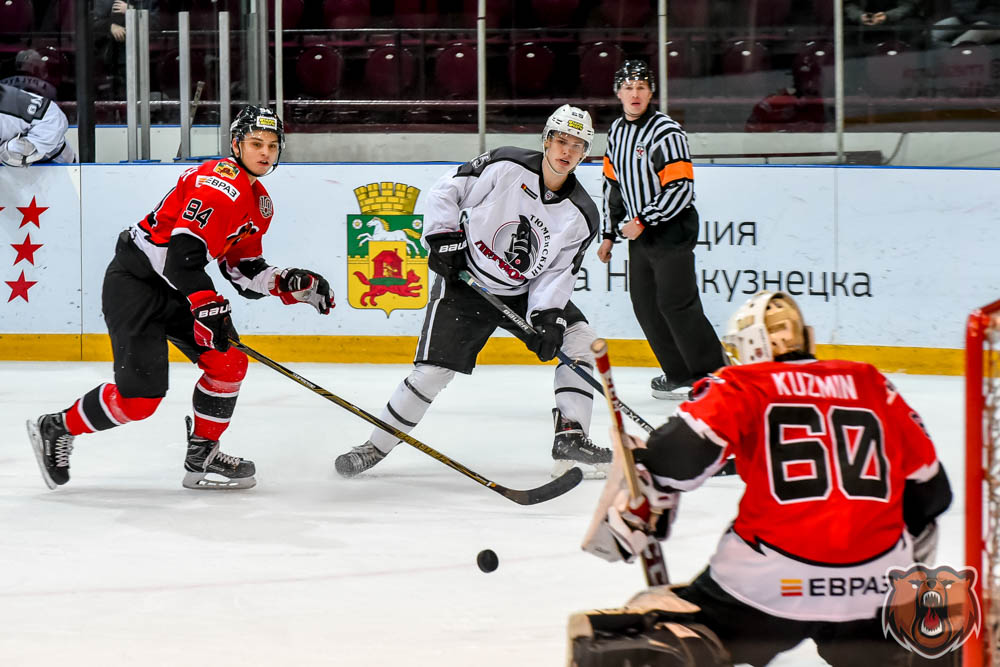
[(400, 349)]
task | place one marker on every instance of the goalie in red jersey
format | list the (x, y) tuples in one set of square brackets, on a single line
[(156, 289), (842, 482)]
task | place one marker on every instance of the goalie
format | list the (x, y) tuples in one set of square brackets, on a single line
[(842, 482)]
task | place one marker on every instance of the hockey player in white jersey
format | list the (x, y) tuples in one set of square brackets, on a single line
[(520, 222), (32, 129)]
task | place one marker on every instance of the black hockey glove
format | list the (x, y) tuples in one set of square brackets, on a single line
[(303, 286), (213, 325), (549, 328), (447, 256)]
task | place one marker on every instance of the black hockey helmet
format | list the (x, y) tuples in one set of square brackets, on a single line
[(634, 70), (253, 117)]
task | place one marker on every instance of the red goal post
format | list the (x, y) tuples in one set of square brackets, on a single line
[(982, 476)]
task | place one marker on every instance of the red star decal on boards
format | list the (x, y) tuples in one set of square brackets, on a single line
[(32, 212), (20, 287), (26, 250)]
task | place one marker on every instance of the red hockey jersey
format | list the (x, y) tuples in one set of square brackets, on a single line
[(825, 449)]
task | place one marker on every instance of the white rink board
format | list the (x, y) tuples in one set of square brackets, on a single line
[(912, 250)]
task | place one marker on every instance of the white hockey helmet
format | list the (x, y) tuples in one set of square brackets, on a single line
[(571, 120), (766, 327)]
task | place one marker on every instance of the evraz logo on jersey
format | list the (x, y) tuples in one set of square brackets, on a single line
[(386, 260)]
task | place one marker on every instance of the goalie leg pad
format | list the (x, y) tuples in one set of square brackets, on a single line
[(620, 637), (410, 401)]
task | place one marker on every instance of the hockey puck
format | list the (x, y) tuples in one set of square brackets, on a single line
[(487, 560)]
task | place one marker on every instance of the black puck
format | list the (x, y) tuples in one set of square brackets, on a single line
[(487, 560)]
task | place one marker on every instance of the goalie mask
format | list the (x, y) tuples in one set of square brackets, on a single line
[(766, 328), (253, 118), (570, 120)]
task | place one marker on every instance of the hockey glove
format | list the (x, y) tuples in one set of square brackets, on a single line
[(19, 152), (303, 286), (621, 527), (213, 324), (447, 255), (548, 337)]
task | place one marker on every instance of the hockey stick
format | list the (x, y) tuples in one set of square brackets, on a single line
[(523, 325), (548, 491), (194, 110), (653, 564)]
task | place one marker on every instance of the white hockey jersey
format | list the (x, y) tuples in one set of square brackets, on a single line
[(522, 237), (37, 119)]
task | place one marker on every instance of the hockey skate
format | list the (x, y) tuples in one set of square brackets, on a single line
[(571, 447), (53, 444), (204, 459), (358, 460), (666, 389)]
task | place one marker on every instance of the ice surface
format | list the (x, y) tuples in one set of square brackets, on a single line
[(123, 566)]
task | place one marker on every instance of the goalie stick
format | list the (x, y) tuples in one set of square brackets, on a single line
[(653, 564), (540, 494), (523, 325)]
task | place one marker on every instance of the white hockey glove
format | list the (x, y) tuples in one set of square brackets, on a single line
[(19, 152), (620, 527)]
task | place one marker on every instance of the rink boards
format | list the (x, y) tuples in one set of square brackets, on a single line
[(885, 262)]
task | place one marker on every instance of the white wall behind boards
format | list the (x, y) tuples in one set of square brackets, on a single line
[(876, 256)]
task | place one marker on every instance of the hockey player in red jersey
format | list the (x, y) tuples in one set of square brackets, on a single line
[(156, 289), (842, 482)]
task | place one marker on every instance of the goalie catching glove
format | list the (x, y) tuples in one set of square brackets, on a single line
[(213, 322), (620, 527), (303, 286)]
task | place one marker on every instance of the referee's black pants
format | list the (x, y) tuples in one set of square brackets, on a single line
[(666, 301)]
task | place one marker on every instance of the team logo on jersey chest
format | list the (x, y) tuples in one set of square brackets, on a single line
[(386, 261), (266, 207), (227, 169)]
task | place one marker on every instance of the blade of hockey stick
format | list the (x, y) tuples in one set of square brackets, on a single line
[(529, 330), (653, 565), (540, 494)]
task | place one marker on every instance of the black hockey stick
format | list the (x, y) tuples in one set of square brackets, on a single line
[(529, 330), (548, 491)]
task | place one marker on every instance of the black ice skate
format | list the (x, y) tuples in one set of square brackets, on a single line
[(670, 390), (572, 447), (52, 444), (358, 460), (204, 459)]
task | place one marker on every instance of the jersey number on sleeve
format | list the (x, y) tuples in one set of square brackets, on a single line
[(194, 213), (798, 440)]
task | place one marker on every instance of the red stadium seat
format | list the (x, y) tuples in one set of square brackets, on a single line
[(627, 13), (455, 71), (689, 14), (530, 68), (16, 17), (554, 13), (598, 64), (389, 71), (745, 56), (291, 13), (415, 13), (319, 70), (678, 59), (885, 67), (168, 73), (346, 14)]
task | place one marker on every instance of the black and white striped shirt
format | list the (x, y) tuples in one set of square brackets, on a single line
[(647, 172)]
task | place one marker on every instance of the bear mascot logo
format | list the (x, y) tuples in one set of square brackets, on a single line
[(931, 611)]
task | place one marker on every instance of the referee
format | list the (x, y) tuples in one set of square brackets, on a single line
[(649, 199)]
